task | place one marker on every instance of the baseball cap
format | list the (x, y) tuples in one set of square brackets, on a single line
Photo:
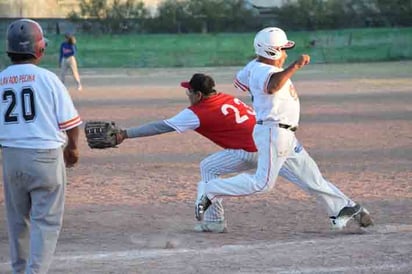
[(200, 82)]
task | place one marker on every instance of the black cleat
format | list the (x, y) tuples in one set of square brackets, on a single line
[(201, 207), (345, 215)]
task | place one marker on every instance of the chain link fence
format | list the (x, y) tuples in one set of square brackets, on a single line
[(216, 49)]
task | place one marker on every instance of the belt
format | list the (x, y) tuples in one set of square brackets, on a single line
[(291, 128)]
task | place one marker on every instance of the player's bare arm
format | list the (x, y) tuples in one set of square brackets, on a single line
[(149, 129), (277, 80), (71, 151)]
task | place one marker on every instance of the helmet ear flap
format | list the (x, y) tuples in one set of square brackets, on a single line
[(276, 54), (41, 47)]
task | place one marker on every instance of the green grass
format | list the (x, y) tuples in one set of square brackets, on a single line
[(228, 49)]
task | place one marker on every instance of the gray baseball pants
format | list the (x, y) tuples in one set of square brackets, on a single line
[(34, 186)]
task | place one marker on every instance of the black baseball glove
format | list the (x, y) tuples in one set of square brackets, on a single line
[(101, 134)]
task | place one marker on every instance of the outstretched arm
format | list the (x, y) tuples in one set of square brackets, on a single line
[(149, 129)]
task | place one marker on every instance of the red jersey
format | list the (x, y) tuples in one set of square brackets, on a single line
[(226, 121)]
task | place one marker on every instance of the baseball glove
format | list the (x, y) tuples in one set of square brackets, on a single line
[(101, 134)]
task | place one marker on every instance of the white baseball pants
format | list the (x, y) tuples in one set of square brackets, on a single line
[(279, 152)]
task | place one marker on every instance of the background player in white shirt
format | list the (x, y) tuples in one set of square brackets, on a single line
[(277, 108), (39, 136)]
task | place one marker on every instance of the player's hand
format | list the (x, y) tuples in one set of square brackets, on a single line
[(120, 136), (71, 156), (303, 60)]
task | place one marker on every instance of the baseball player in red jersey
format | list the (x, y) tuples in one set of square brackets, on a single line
[(223, 119), (39, 135), (277, 107)]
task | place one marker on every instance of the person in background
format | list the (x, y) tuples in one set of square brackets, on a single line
[(67, 59)]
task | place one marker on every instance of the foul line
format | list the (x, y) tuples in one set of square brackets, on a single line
[(159, 253), (346, 269)]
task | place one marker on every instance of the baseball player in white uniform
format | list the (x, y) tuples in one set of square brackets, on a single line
[(39, 136), (277, 108)]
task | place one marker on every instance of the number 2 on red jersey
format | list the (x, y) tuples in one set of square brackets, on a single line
[(236, 108)]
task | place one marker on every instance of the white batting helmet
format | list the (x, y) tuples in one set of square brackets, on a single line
[(269, 42)]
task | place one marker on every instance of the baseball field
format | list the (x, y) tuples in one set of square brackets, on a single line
[(130, 209)]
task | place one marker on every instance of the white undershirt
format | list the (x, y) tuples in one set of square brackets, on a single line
[(184, 121)]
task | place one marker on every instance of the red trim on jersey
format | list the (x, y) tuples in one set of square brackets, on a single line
[(235, 125), (70, 123), (240, 86)]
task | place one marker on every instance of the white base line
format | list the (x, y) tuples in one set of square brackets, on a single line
[(159, 253), (348, 269)]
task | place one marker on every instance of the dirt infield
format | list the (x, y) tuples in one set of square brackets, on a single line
[(130, 209)]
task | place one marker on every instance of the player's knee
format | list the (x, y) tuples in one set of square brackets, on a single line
[(208, 170)]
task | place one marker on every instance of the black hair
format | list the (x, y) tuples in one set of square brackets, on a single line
[(202, 83)]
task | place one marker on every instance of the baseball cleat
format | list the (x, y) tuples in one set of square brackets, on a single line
[(215, 227), (345, 215), (364, 218), (201, 207)]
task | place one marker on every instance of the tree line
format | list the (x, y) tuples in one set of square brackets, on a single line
[(194, 16)]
